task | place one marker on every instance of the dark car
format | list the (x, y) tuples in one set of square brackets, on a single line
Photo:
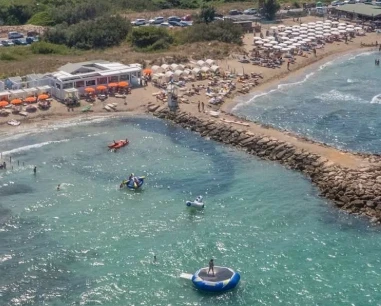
[(175, 23), (30, 40), (20, 42), (174, 18), (235, 12), (7, 43)]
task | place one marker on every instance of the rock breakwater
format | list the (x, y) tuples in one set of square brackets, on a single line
[(357, 191)]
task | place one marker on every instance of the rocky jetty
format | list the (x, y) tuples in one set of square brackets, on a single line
[(355, 191)]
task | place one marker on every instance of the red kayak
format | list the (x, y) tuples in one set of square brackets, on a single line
[(118, 144)]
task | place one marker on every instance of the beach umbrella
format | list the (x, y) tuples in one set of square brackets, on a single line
[(274, 28), (342, 31), (3, 103), (304, 25), (319, 21), (303, 32), (283, 45), (288, 28), (282, 34), (277, 47), (30, 99), (112, 85), (342, 24), (311, 23), (89, 89), (319, 36), (327, 34), (147, 71), (306, 40), (289, 42), (350, 26), (334, 22), (267, 45), (335, 33), (165, 66), (281, 26), (43, 97), (319, 29), (327, 27), (296, 26), (16, 101), (174, 66), (350, 30), (101, 87), (123, 84), (257, 38), (327, 30), (274, 42), (270, 38), (285, 49), (266, 40), (358, 28), (288, 31), (296, 44), (319, 32), (259, 42), (341, 28)]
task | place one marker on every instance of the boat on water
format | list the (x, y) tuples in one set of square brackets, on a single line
[(118, 144), (198, 203), (134, 182), (222, 280)]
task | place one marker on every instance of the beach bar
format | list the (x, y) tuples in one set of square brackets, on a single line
[(364, 11), (71, 79)]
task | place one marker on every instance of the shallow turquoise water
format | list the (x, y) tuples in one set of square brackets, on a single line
[(93, 244), (338, 103)]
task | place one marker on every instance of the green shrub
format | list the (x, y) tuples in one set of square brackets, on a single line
[(43, 47), (42, 19), (151, 38), (221, 30), (6, 56)]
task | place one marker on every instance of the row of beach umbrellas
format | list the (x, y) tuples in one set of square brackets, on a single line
[(122, 84), (174, 67), (26, 100)]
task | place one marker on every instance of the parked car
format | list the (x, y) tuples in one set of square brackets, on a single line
[(175, 23), (157, 20), (352, 1), (235, 12), (335, 3), (30, 40), (165, 24), (20, 42), (174, 18), (250, 11), (186, 24), (7, 43), (15, 35), (138, 22)]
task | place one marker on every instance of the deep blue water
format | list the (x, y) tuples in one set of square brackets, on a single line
[(339, 104), (93, 244)]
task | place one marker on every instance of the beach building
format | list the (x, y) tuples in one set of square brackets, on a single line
[(70, 80), (364, 11)]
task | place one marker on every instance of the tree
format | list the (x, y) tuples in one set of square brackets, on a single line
[(270, 7), (207, 14)]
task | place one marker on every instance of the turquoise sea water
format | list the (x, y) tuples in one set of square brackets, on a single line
[(93, 244), (338, 103)]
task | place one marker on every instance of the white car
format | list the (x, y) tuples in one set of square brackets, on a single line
[(138, 22), (157, 20)]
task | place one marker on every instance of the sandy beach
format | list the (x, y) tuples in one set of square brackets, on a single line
[(137, 101)]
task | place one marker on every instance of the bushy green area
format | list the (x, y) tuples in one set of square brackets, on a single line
[(101, 32)]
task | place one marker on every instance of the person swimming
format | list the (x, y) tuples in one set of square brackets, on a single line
[(58, 187)]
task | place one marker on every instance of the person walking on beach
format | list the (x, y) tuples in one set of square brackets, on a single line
[(198, 106), (203, 107), (34, 170), (211, 266), (288, 65)]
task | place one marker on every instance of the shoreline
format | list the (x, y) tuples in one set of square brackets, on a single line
[(299, 74)]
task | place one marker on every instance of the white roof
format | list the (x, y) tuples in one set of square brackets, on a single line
[(5, 93), (44, 87), (16, 91)]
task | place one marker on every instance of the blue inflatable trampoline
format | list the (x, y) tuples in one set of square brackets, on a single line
[(224, 279)]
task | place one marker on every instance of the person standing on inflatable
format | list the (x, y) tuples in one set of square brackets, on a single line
[(211, 266)]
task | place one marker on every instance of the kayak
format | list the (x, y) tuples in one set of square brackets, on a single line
[(118, 144)]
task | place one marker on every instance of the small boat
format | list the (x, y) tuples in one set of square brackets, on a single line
[(134, 183), (198, 203), (14, 122), (118, 144)]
